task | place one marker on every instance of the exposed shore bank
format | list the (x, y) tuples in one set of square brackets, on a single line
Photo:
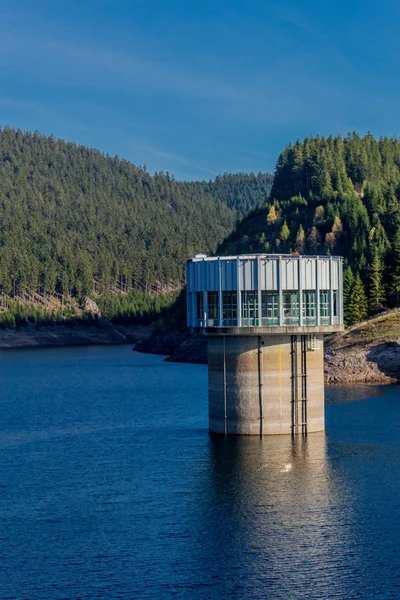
[(366, 353), (77, 335)]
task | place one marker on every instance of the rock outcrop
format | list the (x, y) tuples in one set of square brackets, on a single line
[(365, 353), (378, 364)]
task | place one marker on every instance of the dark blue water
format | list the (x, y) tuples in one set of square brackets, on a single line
[(110, 487)]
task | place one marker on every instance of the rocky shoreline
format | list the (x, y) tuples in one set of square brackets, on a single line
[(366, 353), (379, 365)]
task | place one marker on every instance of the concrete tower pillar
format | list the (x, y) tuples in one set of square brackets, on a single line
[(265, 385)]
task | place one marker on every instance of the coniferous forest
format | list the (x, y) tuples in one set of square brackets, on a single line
[(75, 222), (336, 196)]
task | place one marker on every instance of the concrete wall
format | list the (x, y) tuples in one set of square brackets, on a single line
[(253, 392)]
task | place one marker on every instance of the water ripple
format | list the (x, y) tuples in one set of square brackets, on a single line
[(110, 487)]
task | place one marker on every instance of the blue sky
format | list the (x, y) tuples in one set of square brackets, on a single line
[(199, 88)]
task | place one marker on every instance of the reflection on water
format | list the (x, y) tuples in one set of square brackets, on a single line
[(346, 393), (110, 487), (273, 510)]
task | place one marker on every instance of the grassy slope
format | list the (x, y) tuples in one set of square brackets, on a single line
[(382, 329)]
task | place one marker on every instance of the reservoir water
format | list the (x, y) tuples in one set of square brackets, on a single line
[(110, 487)]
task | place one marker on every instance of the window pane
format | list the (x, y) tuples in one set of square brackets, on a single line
[(290, 307), (199, 305), (249, 306), (309, 307), (324, 303), (229, 305), (212, 301), (270, 307)]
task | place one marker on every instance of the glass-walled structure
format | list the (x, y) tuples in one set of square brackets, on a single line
[(263, 290)]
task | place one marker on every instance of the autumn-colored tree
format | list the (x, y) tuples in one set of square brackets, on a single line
[(272, 216), (300, 240), (330, 241), (337, 227), (314, 240), (319, 215), (284, 233)]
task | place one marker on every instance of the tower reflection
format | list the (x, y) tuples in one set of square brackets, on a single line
[(275, 522)]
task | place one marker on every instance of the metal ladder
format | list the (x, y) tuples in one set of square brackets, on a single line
[(302, 376)]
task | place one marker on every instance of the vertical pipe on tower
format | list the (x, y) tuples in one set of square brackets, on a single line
[(300, 288), (259, 314), (239, 295), (280, 291)]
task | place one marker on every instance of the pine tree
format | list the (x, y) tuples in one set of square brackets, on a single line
[(379, 238), (358, 308), (395, 267), (348, 284), (376, 290), (285, 232)]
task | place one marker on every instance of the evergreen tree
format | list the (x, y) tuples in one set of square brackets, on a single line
[(348, 285), (376, 291), (284, 235), (395, 267), (358, 308)]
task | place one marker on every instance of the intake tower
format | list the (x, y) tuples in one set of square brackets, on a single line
[(265, 317)]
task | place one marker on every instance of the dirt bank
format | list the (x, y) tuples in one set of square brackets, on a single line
[(78, 335)]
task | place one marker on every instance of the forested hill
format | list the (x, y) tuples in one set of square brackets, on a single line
[(336, 196), (71, 216), (242, 191)]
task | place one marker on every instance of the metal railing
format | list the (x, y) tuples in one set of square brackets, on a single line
[(266, 322)]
